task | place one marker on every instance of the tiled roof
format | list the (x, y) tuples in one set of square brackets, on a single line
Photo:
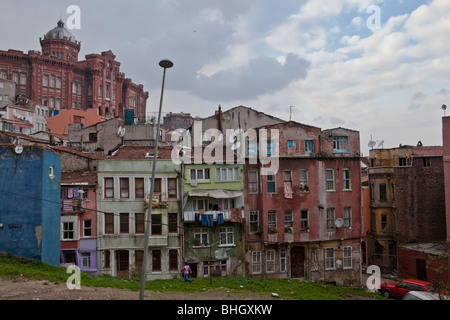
[(77, 177), (142, 153), (77, 152), (428, 150)]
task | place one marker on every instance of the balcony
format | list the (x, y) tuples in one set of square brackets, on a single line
[(233, 215), (71, 206)]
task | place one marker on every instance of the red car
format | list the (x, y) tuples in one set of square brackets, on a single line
[(399, 289)]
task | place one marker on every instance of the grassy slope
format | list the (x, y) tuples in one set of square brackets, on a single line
[(11, 267)]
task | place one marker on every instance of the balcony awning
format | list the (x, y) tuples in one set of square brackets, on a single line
[(216, 193), (212, 193)]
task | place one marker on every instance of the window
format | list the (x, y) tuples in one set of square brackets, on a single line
[(139, 188), (347, 217), (330, 219), (287, 181), (173, 260), (226, 236), (201, 236), (304, 225), (124, 223), (348, 261), (23, 79), (227, 174), (384, 222), (200, 174), (100, 89), (346, 179), (256, 262), (270, 261), (270, 147), (254, 221), (271, 186), (124, 188), (402, 162), (329, 258), (157, 187), (383, 192), (109, 188), (156, 227), (340, 144), (109, 223), (87, 228), (288, 222), (173, 222), (138, 258), (74, 87), (199, 204), (290, 143), (426, 162), (139, 223), (272, 221), (309, 146), (304, 180), (156, 260), (107, 257), (58, 83), (253, 181), (252, 148), (16, 78), (86, 260), (330, 180), (282, 260), (68, 231), (172, 188)]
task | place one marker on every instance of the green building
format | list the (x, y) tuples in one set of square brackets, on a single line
[(213, 201)]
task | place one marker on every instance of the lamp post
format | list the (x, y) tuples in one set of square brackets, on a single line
[(165, 64)]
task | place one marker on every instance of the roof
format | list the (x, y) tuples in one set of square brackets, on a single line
[(77, 152), (60, 32), (78, 177), (434, 248), (428, 151), (141, 153)]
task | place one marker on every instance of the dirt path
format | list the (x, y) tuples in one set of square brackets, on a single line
[(23, 289)]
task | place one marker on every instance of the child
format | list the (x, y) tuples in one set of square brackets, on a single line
[(187, 270)]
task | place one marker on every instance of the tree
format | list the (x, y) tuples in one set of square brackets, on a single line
[(440, 265)]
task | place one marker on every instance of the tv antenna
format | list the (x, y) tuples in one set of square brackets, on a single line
[(371, 143), (444, 107)]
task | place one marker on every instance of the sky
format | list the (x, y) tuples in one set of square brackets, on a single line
[(380, 67)]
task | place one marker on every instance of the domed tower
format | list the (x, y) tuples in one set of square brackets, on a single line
[(60, 43)]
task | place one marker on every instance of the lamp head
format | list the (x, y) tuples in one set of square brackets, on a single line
[(166, 64)]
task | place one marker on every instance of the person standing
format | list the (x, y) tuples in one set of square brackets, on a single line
[(187, 271)]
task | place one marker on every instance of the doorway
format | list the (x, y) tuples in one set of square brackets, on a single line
[(297, 262), (122, 263)]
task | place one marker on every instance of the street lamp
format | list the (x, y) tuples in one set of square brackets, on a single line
[(165, 64)]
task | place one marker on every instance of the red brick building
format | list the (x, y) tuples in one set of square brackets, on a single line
[(304, 219), (56, 78)]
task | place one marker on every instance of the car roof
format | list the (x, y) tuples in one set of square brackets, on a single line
[(416, 281)]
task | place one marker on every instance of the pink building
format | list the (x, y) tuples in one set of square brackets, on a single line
[(304, 219)]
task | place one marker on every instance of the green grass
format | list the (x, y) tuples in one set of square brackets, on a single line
[(13, 267)]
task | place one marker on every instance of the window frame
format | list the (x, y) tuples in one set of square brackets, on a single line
[(139, 188), (331, 219), (174, 189), (155, 225), (346, 180), (347, 259), (253, 221), (329, 180), (270, 261), (139, 223), (309, 146), (256, 262), (253, 187), (226, 236), (106, 187), (273, 176), (330, 260), (122, 188), (124, 223), (340, 144), (108, 221)]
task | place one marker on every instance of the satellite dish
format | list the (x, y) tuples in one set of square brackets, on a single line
[(339, 222), (371, 144), (444, 107), (381, 144), (18, 149)]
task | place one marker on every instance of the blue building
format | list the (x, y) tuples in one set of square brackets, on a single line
[(30, 202)]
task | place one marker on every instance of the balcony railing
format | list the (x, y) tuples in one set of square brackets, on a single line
[(73, 206)]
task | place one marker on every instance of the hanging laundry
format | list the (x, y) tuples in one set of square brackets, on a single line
[(210, 220), (67, 205), (288, 189), (204, 220), (220, 218), (75, 192), (70, 193), (197, 218)]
